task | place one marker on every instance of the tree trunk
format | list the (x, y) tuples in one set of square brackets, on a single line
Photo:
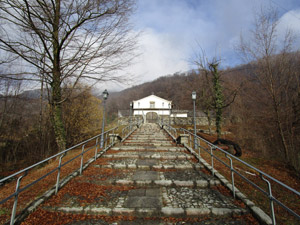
[(208, 120), (218, 95), (219, 121), (281, 134), (57, 120)]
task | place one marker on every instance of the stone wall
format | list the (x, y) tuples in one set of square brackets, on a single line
[(125, 120), (202, 121)]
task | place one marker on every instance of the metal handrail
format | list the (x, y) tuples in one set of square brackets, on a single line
[(171, 130), (129, 129), (126, 131), (60, 165), (262, 174), (54, 156)]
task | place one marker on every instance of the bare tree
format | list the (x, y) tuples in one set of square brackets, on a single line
[(67, 41), (275, 73), (212, 95)]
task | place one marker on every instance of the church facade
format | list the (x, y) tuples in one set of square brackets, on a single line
[(152, 108)]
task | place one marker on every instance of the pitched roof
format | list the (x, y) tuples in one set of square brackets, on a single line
[(152, 96)]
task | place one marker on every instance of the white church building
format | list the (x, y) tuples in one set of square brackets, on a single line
[(150, 104), (152, 108)]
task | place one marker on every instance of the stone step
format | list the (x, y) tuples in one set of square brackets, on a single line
[(144, 137), (166, 183), (160, 143), (149, 164), (149, 167), (148, 148), (133, 174), (150, 135), (148, 144), (146, 155), (149, 139), (165, 199), (147, 210)]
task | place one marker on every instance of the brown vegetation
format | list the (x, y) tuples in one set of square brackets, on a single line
[(27, 137)]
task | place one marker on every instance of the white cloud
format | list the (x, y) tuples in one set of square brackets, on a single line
[(172, 29), (161, 54), (175, 29), (290, 21)]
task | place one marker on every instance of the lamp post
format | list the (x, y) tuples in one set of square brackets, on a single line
[(169, 113), (105, 96), (130, 114), (194, 102)]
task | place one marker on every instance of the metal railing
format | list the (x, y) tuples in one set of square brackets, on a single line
[(169, 129), (108, 142), (200, 142), (129, 129)]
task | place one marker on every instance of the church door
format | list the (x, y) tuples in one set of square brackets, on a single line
[(151, 117)]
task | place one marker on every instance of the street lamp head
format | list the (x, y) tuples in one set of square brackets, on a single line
[(194, 95), (105, 94)]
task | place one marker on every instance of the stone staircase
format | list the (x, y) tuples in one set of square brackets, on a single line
[(148, 179)]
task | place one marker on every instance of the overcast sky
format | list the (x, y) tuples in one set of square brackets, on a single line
[(171, 30)]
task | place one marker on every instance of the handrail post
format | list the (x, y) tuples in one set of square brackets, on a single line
[(271, 199), (58, 173), (96, 149), (14, 209), (81, 163), (199, 149), (112, 140), (232, 175), (105, 140), (195, 143), (212, 159)]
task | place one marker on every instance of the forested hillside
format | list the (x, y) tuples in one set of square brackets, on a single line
[(176, 87)]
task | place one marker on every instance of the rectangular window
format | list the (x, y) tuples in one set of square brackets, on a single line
[(152, 105)]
